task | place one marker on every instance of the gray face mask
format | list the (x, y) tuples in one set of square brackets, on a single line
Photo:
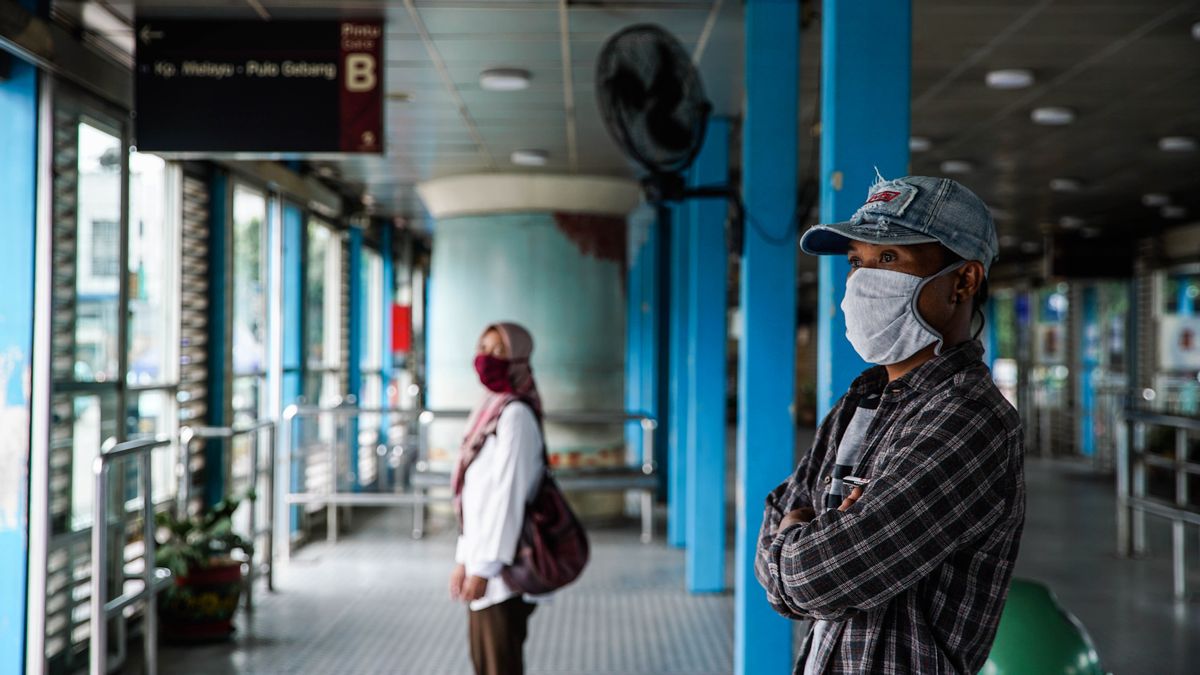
[(882, 321)]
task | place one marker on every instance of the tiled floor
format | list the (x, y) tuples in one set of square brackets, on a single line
[(376, 602)]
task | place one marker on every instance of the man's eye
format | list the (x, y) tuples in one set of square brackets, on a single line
[(887, 258), (855, 263)]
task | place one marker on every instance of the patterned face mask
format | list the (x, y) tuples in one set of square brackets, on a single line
[(882, 321)]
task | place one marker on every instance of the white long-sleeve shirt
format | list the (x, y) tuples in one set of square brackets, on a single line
[(498, 484)]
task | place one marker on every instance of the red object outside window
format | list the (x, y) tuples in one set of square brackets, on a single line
[(401, 328)]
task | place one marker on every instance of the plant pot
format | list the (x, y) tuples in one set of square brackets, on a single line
[(200, 606)]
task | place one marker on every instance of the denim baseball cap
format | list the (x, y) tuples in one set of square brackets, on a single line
[(914, 210)]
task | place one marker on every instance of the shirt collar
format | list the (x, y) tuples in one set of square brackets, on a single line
[(940, 368), (926, 376)]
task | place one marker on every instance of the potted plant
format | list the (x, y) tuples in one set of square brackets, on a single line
[(205, 556)]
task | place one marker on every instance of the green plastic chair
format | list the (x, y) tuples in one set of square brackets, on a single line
[(1037, 636)]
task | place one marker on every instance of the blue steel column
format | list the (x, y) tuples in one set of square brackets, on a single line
[(634, 326), (219, 309), (990, 337), (387, 362), (677, 432), (1089, 361), (646, 332), (706, 291), (1185, 303), (766, 433), (18, 186), (657, 341), (866, 59), (354, 368), (293, 333)]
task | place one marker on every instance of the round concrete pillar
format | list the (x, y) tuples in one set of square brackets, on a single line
[(547, 252)]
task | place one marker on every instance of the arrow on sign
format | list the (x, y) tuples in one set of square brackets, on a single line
[(147, 34)]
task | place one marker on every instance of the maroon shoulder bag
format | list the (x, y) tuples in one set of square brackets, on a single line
[(553, 549)]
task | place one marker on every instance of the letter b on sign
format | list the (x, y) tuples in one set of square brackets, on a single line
[(360, 72)]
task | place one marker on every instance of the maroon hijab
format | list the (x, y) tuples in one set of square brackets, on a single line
[(484, 418)]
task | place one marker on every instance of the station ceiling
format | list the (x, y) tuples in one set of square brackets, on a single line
[(1129, 72)]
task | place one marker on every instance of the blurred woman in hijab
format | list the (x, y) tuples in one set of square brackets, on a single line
[(499, 468)]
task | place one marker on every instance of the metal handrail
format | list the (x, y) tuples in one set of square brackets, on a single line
[(189, 434), (101, 609), (647, 422), (1132, 501), (332, 499)]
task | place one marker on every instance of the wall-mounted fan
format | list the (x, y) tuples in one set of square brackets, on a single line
[(653, 104)]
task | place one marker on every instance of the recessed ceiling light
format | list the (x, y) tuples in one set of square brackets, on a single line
[(919, 144), (1070, 222), (1008, 241), (957, 166), (1177, 144), (530, 157), (1090, 232), (1173, 212), (504, 79), (1030, 247), (1196, 31), (1012, 78), (1155, 199), (1065, 185), (1052, 116)]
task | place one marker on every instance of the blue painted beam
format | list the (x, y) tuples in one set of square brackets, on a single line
[(357, 337), (766, 433), (293, 332), (865, 68), (677, 432), (1185, 302), (658, 344), (637, 230), (1089, 361), (388, 361), (219, 339), (18, 188), (706, 300)]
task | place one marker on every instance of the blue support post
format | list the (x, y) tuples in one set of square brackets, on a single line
[(293, 333), (865, 70), (1089, 361), (677, 309), (357, 335), (1185, 302), (657, 340), (218, 334), (990, 344), (633, 334), (766, 430), (388, 360), (646, 333), (18, 187), (706, 300)]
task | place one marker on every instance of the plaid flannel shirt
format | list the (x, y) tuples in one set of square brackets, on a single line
[(914, 575)]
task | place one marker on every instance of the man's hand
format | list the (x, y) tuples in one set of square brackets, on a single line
[(474, 588), (457, 577), (851, 498), (797, 517)]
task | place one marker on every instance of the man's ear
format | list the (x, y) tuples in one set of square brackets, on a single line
[(970, 278)]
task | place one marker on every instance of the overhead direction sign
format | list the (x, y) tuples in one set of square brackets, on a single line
[(259, 86)]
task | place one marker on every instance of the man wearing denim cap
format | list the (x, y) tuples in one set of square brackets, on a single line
[(898, 532)]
